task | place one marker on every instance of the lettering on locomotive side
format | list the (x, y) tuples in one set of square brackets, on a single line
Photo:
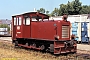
[(18, 32)]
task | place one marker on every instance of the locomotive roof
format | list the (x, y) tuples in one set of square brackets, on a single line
[(31, 13)]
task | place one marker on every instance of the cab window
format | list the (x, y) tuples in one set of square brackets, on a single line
[(36, 18), (26, 21), (14, 21), (18, 20)]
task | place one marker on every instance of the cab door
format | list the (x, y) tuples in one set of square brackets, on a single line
[(26, 27), (18, 27), (13, 28)]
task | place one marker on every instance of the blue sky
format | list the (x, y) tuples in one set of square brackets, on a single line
[(11, 7)]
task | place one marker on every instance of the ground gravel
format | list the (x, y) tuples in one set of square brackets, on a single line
[(7, 50)]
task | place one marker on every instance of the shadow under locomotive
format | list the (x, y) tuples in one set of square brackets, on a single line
[(47, 46)]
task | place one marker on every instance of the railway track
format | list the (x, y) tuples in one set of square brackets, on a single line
[(80, 53), (5, 36)]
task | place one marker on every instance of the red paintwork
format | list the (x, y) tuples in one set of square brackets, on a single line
[(42, 30), (46, 30), (60, 48), (26, 32), (29, 47), (39, 30), (13, 30)]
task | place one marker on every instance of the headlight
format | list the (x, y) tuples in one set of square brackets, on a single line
[(57, 37)]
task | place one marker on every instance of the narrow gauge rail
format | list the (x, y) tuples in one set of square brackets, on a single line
[(5, 36)]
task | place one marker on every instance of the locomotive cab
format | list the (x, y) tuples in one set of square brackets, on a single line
[(22, 24)]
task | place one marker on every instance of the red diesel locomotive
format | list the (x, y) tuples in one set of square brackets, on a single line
[(35, 30)]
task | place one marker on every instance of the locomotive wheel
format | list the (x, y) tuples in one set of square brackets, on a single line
[(51, 47), (27, 44), (42, 47), (34, 45), (16, 44)]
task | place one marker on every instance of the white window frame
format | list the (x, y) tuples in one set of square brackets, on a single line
[(17, 21), (24, 21), (20, 21), (14, 21)]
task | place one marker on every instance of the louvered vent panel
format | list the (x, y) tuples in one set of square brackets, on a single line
[(65, 31)]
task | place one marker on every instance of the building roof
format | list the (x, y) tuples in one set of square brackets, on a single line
[(2, 21)]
